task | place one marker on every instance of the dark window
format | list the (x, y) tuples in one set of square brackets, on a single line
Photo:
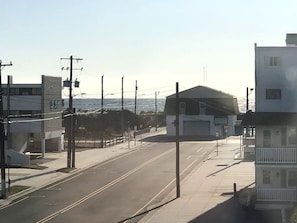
[(284, 136), (266, 176), (25, 91), (273, 94), (267, 138), (292, 178)]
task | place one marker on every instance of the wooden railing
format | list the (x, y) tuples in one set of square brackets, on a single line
[(276, 194), (276, 156)]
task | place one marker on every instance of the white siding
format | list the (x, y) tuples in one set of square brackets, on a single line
[(281, 76)]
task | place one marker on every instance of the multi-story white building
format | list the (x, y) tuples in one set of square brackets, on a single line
[(34, 114), (275, 119)]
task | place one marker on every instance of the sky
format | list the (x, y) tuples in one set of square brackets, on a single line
[(156, 42)]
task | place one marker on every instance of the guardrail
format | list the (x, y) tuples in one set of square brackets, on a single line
[(114, 141)]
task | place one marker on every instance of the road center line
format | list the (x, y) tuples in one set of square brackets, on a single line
[(87, 197)]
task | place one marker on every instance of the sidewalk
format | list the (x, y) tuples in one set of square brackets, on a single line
[(54, 161), (207, 195)]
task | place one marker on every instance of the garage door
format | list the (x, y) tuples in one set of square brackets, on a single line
[(196, 128)]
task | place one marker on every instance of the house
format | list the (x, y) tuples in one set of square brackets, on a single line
[(33, 114), (275, 119), (203, 112)]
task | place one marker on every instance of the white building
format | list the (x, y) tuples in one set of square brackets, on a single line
[(275, 119), (34, 114), (203, 112)]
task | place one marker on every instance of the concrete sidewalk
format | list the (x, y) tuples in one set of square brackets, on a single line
[(207, 195), (53, 161)]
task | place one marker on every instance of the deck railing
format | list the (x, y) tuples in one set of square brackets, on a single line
[(276, 194), (276, 156)]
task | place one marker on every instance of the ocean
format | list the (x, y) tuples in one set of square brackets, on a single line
[(93, 104), (142, 104)]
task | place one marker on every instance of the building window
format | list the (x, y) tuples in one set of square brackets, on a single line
[(202, 108), (182, 108), (273, 61), (266, 176), (24, 91), (292, 136), (292, 178), (284, 136), (273, 94), (267, 138), (54, 104)]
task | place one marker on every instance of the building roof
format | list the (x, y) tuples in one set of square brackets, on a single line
[(201, 92), (216, 102)]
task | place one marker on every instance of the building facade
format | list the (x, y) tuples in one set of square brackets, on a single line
[(33, 115), (203, 112), (275, 119)]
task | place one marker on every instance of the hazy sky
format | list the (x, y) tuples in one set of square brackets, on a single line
[(156, 42)]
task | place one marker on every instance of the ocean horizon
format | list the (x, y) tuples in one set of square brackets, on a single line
[(142, 104)]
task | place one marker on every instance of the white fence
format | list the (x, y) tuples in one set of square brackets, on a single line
[(276, 194), (276, 155)]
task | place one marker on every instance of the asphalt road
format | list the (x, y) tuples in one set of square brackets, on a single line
[(119, 190)]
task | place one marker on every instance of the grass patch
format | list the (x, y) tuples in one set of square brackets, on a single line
[(15, 189), (66, 170)]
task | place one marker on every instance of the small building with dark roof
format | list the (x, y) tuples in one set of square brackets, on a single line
[(203, 112)]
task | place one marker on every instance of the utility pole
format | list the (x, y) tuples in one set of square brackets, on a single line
[(70, 135), (136, 88), (9, 82), (101, 116), (177, 141), (122, 119), (156, 110), (2, 135)]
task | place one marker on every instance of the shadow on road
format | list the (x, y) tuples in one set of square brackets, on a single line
[(231, 211), (165, 138), (147, 211)]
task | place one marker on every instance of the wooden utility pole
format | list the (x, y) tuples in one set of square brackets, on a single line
[(2, 135), (122, 119), (70, 135), (136, 88), (177, 142), (101, 114)]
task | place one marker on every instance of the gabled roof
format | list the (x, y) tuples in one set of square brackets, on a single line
[(216, 102), (201, 92)]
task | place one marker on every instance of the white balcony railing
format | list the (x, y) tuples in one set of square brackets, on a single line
[(276, 194), (276, 155)]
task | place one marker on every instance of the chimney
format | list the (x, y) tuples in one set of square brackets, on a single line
[(291, 39)]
